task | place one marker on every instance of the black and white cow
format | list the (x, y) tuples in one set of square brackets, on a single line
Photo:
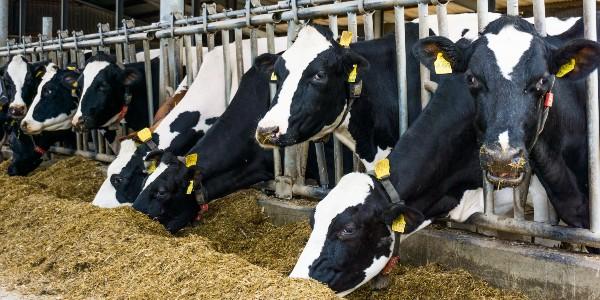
[(55, 102), (228, 159), (104, 86), (203, 103), (21, 79), (435, 167)]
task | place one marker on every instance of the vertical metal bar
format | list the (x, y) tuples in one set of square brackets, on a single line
[(253, 45), (270, 29), (338, 161), (482, 14), (118, 12), (239, 53), (226, 64), (441, 12), (199, 53), (22, 17), (322, 165), (119, 54), (4, 22), (132, 57), (64, 14), (488, 196), (539, 16), (423, 32), (378, 24), (148, 74), (210, 37), (512, 7), (78, 141), (291, 152), (173, 54), (401, 67), (187, 40), (101, 147), (164, 71), (353, 25), (589, 20), (520, 197), (368, 25)]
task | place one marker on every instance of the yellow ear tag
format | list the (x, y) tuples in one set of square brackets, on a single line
[(352, 75), (74, 84), (382, 168), (191, 159), (190, 187), (346, 38), (566, 68), (71, 68), (273, 77), (399, 224), (144, 135), (442, 66), (152, 167), (39, 73)]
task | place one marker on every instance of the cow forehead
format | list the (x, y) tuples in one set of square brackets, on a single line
[(352, 190), (90, 72), (309, 44), (17, 70), (508, 46)]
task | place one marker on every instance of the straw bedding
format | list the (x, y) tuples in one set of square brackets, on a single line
[(53, 242)]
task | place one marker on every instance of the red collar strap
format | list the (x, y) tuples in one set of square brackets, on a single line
[(203, 209), (390, 265), (39, 150), (122, 113)]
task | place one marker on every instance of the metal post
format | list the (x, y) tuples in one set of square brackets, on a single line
[(353, 25), (119, 54), (589, 19), (187, 41), (290, 159), (338, 161), (167, 10), (482, 13), (539, 16), (322, 165), (118, 12), (199, 53), (378, 24), (210, 37), (270, 29), (148, 74), (22, 17), (368, 25), (3, 22), (239, 53), (64, 14), (441, 12), (401, 67), (512, 7), (226, 64), (488, 196), (253, 44), (423, 32)]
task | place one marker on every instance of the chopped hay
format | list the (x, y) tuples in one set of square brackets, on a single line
[(52, 242)]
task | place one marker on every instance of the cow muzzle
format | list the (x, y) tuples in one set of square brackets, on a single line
[(503, 167), (268, 136), (17, 111), (30, 128)]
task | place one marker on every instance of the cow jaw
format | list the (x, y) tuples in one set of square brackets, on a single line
[(309, 44)]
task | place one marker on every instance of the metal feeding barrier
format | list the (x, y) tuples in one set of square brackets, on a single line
[(178, 32)]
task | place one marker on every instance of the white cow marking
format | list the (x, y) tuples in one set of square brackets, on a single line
[(106, 197), (504, 141), (309, 44), (17, 70), (89, 74), (508, 47), (381, 154), (352, 190), (159, 170)]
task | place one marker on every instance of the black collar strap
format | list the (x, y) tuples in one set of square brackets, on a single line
[(382, 174), (145, 136)]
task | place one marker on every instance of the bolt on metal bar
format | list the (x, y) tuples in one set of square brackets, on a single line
[(589, 20)]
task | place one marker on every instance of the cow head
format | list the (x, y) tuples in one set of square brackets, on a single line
[(21, 79), (351, 240), (102, 101), (509, 70), (55, 102), (165, 196), (312, 89)]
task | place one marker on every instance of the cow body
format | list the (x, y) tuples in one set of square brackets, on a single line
[(203, 103)]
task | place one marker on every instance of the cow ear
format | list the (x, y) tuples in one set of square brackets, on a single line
[(575, 60), (131, 76), (70, 81), (440, 55), (350, 58), (265, 62), (38, 70), (412, 217), (155, 155)]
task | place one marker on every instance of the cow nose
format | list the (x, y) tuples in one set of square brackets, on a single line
[(267, 135), (503, 162), (17, 111), (25, 126)]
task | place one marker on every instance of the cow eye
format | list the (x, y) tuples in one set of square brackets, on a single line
[(320, 76), (472, 81), (348, 231), (541, 84)]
